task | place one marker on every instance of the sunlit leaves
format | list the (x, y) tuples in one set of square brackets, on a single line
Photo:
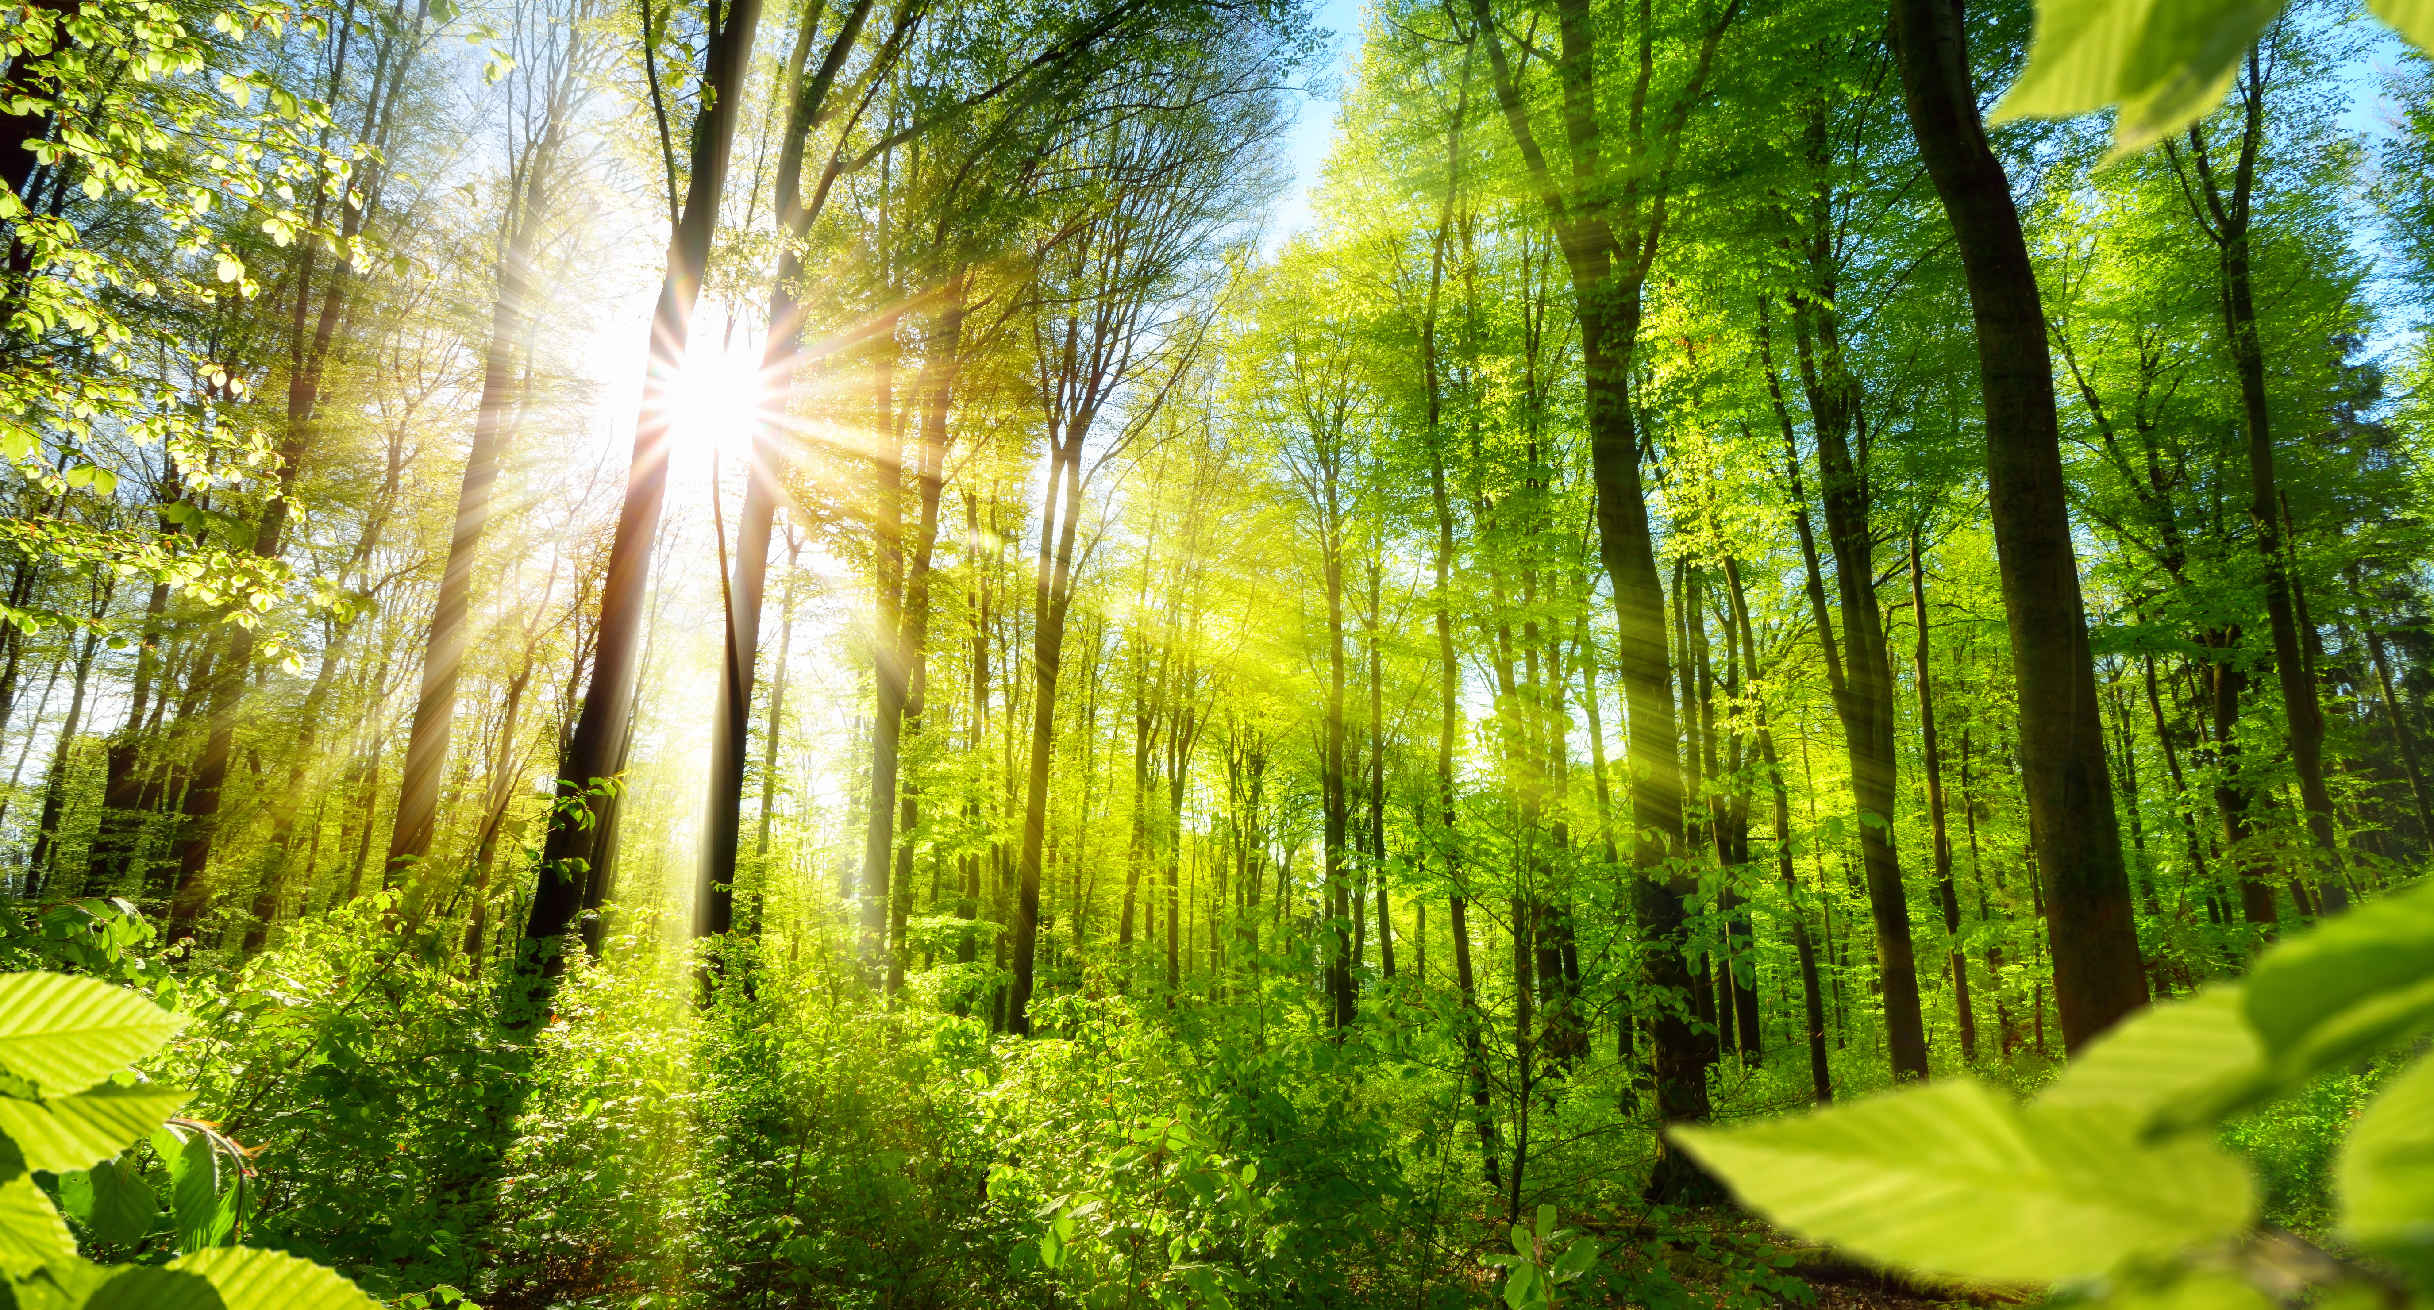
[(2168, 1064), (2386, 1172), (2159, 64), (2162, 63), (271, 1280), (32, 1234), (67, 1034), (1955, 1179), (61, 1133), (2357, 983)]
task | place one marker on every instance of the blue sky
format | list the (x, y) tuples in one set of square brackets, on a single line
[(1313, 132)]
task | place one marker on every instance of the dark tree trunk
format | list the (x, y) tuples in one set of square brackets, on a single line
[(576, 841), (2097, 975), (714, 883), (1053, 592)]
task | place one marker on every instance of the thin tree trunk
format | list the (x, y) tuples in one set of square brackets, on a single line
[(1932, 764), (55, 779), (2402, 738), (1053, 592), (2225, 219), (1377, 779), (445, 644), (747, 580)]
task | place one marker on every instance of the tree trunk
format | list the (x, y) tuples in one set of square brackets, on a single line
[(1377, 779), (1932, 764), (1334, 800), (1053, 592), (745, 586), (310, 336), (575, 842), (2097, 975), (2402, 738), (890, 677), (1866, 702), (445, 644), (55, 779)]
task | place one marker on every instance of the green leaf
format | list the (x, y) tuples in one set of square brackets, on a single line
[(2163, 63), (155, 1288), (67, 1285), (1521, 1288), (71, 1132), (2199, 1291), (32, 1234), (66, 1034), (1955, 1179), (1576, 1260), (2360, 982), (2414, 18), (2173, 1065), (2385, 1176), (194, 1194), (111, 1200), (251, 1279)]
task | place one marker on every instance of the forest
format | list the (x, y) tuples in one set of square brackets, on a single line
[(682, 654)]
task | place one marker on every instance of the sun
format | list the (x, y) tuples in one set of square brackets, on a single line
[(720, 395)]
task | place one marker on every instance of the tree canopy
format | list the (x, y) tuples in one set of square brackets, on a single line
[(909, 653)]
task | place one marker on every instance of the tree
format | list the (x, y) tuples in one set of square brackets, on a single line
[(2097, 978)]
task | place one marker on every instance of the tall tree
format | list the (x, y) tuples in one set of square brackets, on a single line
[(1609, 212), (589, 768), (2097, 973)]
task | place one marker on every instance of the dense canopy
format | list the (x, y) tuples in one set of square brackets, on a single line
[(1209, 653)]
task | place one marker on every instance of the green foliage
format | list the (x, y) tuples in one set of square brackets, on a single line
[(360, 1057), (105, 938), (2161, 65), (143, 232), (1543, 1260), (2386, 1174), (71, 1114), (2114, 1171), (65, 1034)]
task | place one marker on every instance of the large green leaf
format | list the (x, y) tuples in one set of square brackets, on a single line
[(67, 1285), (2385, 1176), (67, 1034), (194, 1191), (1955, 1179), (2414, 18), (2188, 1291), (71, 1132), (252, 1279), (2162, 63), (111, 1200), (151, 1287), (2174, 1065), (2358, 983), (31, 1233)]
